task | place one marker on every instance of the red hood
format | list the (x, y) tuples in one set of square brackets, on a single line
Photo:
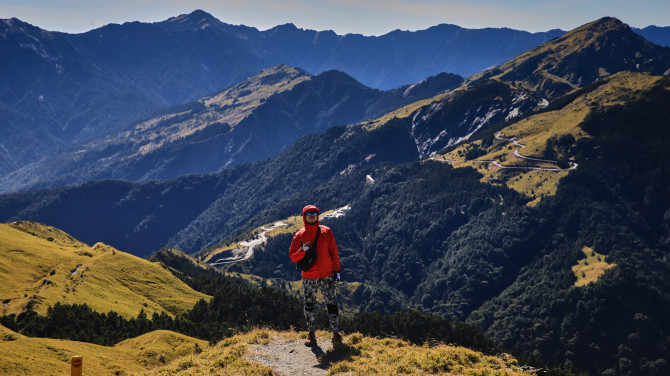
[(305, 210)]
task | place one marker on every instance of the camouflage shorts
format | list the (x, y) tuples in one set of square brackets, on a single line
[(327, 287)]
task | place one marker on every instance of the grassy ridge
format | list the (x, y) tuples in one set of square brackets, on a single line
[(401, 113), (582, 56), (359, 356), (21, 355), (230, 106), (41, 265)]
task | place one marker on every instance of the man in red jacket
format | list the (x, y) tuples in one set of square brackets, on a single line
[(323, 274)]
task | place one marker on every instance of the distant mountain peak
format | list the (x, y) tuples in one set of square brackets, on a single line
[(281, 68), (286, 26), (198, 19), (601, 26), (15, 23), (285, 29), (582, 56), (200, 13)]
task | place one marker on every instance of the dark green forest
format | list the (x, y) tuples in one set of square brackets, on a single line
[(395, 230), (235, 306), (618, 202)]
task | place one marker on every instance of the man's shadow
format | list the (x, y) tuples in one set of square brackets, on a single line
[(317, 351), (338, 353)]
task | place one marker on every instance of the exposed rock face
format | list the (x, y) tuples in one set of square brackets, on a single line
[(457, 117)]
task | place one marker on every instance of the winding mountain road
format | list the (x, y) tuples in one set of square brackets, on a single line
[(247, 250), (516, 153)]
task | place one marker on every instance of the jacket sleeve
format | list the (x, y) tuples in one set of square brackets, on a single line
[(294, 251), (334, 254)]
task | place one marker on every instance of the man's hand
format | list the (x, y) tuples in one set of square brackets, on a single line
[(336, 277), (304, 247)]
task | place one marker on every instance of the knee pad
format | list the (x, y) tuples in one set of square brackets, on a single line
[(332, 309), (309, 307)]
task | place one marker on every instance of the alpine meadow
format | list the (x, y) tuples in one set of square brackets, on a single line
[(500, 199)]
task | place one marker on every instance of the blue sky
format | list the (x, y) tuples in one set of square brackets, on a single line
[(368, 17)]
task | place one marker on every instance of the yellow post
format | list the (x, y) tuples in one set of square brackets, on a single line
[(77, 365)]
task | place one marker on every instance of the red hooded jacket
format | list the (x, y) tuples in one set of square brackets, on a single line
[(327, 257)]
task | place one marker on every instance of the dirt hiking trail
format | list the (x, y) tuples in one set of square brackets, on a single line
[(288, 357)]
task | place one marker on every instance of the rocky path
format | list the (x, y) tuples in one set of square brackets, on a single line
[(288, 357)]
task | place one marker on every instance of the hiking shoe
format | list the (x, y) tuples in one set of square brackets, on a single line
[(337, 338), (311, 339)]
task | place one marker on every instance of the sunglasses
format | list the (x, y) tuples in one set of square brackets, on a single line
[(311, 213)]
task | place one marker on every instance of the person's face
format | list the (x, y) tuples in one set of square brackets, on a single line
[(311, 216)]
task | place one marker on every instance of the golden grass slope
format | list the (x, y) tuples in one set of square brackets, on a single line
[(403, 112), (253, 91), (161, 346), (21, 355), (534, 131), (532, 69), (41, 265), (359, 355), (591, 268)]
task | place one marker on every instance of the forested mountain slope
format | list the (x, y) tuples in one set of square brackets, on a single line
[(473, 251), (616, 202)]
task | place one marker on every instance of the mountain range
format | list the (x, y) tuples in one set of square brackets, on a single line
[(418, 130), (67, 92), (63, 88), (656, 34), (250, 121), (484, 203)]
